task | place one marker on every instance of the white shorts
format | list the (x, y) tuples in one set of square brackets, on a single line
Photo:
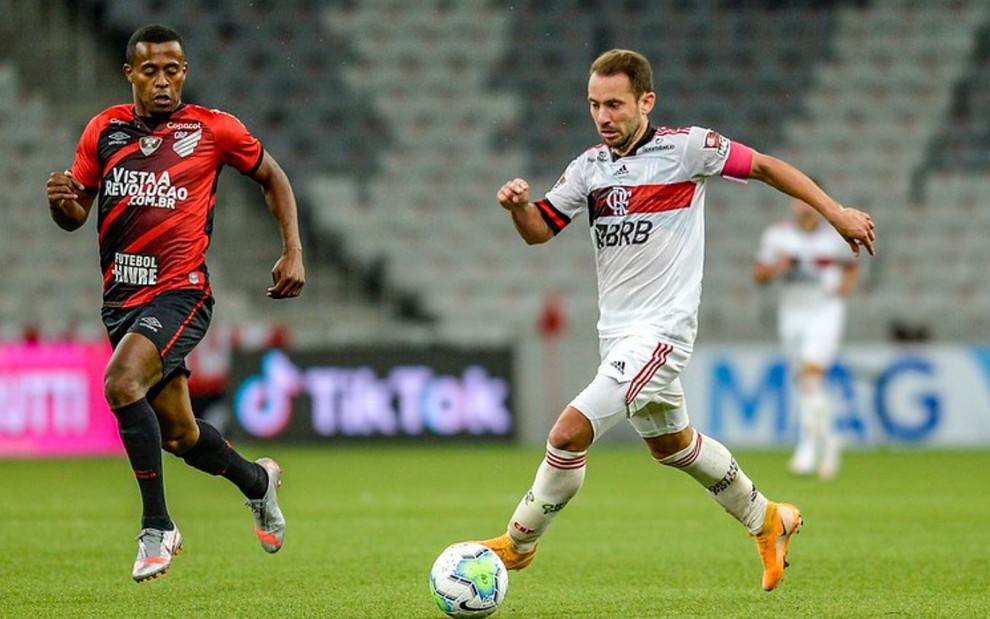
[(638, 379), (811, 335)]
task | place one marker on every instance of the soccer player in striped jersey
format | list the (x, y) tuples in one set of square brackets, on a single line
[(817, 272), (151, 168), (643, 191)]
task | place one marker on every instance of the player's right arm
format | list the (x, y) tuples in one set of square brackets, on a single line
[(68, 201), (514, 197), (765, 272)]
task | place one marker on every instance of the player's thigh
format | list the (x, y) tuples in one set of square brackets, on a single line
[(664, 414), (637, 380), (602, 403), (792, 328), (175, 322), (822, 337)]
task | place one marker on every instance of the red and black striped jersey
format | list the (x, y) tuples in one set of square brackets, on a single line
[(157, 182)]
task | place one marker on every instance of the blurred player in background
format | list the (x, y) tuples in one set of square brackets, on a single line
[(817, 271), (644, 193), (152, 168)]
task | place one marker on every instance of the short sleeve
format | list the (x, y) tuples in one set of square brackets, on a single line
[(710, 153), (86, 167), (238, 147), (566, 199)]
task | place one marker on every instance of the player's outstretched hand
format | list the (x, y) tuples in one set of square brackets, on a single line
[(857, 228), (61, 186), (514, 194), (288, 275)]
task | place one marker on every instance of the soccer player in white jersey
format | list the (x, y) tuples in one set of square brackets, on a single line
[(643, 191), (817, 272)]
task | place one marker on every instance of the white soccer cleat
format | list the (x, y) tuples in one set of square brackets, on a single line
[(155, 551), (269, 524)]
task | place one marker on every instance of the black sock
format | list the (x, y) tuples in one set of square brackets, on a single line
[(211, 454), (142, 440)]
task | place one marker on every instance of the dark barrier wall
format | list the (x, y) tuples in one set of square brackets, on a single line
[(372, 392)]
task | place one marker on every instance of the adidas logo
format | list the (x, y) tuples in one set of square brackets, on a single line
[(622, 171), (619, 365)]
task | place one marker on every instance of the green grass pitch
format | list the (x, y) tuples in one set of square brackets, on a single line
[(898, 534)]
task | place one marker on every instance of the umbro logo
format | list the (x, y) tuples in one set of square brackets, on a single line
[(118, 136), (619, 365), (151, 323), (622, 171)]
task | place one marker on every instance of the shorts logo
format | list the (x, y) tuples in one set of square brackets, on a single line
[(620, 366), (151, 324), (149, 144)]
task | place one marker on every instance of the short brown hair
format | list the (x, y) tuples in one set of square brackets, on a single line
[(633, 64)]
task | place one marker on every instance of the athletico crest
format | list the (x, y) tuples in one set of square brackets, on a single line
[(149, 144)]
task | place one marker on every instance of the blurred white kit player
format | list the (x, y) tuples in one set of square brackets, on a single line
[(817, 271), (643, 193)]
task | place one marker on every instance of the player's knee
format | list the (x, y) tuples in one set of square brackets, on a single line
[(666, 445), (121, 388), (573, 437), (177, 440)]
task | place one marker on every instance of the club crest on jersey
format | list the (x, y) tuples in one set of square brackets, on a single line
[(713, 139), (618, 200), (185, 146), (149, 144)]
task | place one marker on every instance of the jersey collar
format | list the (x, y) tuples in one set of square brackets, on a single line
[(149, 124), (650, 130)]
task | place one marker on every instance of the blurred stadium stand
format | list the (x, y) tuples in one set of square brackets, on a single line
[(397, 122)]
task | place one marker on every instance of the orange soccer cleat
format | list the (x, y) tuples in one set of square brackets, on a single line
[(782, 521), (506, 551)]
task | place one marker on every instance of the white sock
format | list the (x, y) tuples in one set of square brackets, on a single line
[(558, 479), (712, 465)]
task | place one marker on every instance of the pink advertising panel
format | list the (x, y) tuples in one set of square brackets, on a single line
[(51, 401)]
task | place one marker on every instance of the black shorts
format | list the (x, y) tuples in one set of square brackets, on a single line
[(175, 321)]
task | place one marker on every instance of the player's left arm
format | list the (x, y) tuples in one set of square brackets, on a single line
[(288, 274), (855, 226)]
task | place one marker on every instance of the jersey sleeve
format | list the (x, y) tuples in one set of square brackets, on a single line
[(710, 153), (86, 167), (566, 199), (238, 147)]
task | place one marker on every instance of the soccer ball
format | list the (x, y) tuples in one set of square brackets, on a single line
[(468, 580)]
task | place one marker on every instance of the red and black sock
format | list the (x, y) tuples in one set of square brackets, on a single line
[(142, 441), (212, 454)]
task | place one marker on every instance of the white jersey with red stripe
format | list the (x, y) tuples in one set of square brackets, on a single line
[(817, 260), (646, 214)]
